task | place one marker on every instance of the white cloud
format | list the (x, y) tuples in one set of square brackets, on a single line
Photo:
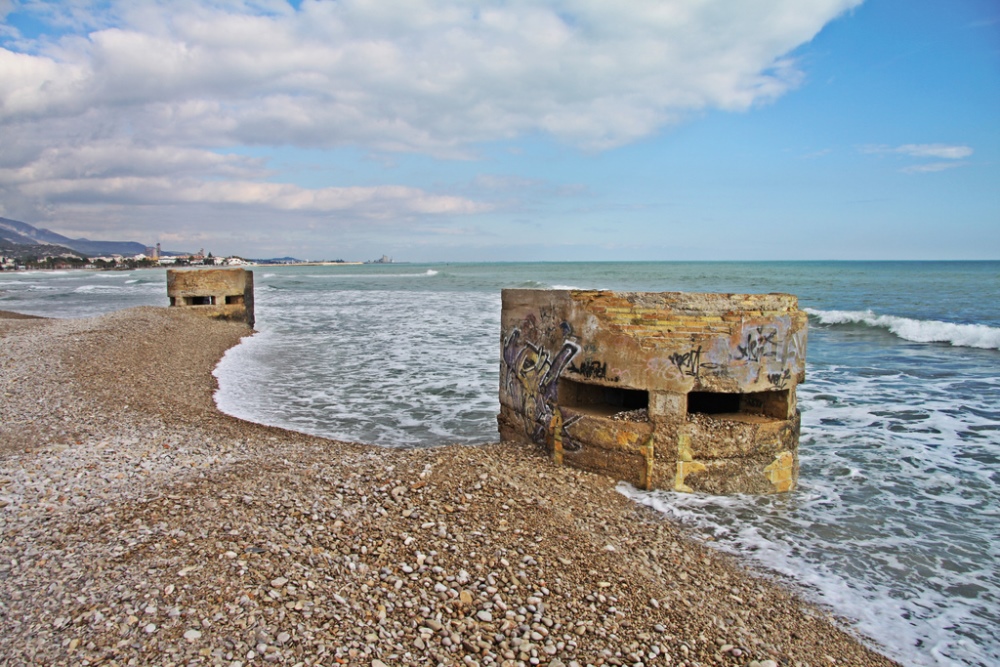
[(378, 202), (75, 182), (118, 157), (145, 104), (419, 75), (949, 156), (931, 167), (940, 151)]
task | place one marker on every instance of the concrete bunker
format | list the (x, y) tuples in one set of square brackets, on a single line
[(692, 392), (220, 293)]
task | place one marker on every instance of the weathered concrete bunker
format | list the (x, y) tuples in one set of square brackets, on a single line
[(692, 392), (220, 293)]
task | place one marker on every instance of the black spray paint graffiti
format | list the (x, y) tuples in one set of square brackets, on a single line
[(530, 377), (780, 380), (592, 370), (760, 344), (688, 363)]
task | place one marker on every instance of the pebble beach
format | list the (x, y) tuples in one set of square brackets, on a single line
[(141, 526)]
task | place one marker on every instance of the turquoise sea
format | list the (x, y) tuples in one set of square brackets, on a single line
[(896, 523)]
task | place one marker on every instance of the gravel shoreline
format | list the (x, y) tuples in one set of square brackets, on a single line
[(140, 526)]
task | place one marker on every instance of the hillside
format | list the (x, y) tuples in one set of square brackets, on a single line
[(22, 250), (33, 240)]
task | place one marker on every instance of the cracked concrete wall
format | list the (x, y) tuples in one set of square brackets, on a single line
[(225, 294), (692, 392)]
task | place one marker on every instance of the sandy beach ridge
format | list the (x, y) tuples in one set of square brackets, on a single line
[(140, 526)]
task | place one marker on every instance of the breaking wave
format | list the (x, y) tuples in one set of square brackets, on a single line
[(919, 331)]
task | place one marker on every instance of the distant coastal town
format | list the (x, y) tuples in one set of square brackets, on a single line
[(24, 247), (65, 262), (68, 261)]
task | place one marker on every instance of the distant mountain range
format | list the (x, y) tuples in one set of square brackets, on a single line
[(46, 242)]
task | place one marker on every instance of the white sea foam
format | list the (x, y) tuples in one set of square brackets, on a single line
[(751, 541), (894, 522), (97, 288), (415, 352), (918, 331)]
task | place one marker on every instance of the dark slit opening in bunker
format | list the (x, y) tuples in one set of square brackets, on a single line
[(600, 400), (773, 404)]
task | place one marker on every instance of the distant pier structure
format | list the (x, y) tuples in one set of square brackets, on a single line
[(670, 390), (225, 294)]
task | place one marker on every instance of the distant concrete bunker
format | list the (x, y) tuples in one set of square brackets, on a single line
[(691, 392), (225, 294)]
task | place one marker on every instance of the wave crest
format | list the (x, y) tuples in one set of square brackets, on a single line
[(919, 331)]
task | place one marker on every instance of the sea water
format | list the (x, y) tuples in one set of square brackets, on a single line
[(895, 525)]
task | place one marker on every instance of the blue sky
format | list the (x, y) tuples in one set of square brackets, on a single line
[(448, 131)]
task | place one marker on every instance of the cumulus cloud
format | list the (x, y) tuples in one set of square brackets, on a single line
[(138, 102), (425, 75)]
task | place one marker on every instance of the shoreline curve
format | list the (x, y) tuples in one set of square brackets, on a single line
[(139, 522)]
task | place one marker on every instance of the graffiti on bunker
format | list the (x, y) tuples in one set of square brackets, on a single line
[(530, 377)]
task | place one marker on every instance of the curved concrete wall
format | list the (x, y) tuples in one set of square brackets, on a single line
[(220, 293), (693, 392)]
